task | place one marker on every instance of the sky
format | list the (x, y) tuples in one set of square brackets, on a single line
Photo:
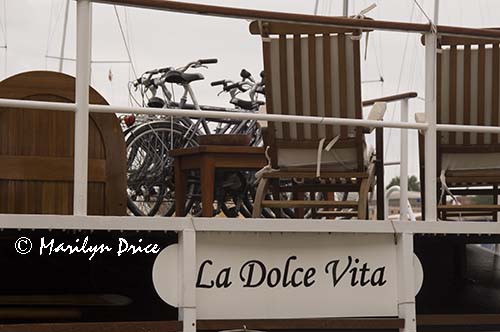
[(33, 29)]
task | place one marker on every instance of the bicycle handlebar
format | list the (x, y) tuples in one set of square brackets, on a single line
[(220, 82), (238, 85), (207, 61)]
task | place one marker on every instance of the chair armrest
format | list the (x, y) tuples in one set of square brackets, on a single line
[(376, 113), (389, 99), (420, 117)]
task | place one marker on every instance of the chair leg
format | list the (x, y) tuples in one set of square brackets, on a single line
[(364, 190), (259, 197), (363, 199)]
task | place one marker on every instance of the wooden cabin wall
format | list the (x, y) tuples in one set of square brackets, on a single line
[(37, 149)]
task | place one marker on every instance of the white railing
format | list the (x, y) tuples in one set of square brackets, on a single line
[(187, 227)]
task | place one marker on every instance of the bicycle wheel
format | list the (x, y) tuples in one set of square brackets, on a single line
[(247, 201), (150, 176)]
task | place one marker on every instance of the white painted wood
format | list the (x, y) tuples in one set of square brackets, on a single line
[(403, 168), (187, 284), (430, 133), (406, 282), (83, 51)]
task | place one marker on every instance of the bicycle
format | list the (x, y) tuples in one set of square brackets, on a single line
[(150, 182)]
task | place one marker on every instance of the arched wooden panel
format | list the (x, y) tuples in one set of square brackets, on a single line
[(37, 148)]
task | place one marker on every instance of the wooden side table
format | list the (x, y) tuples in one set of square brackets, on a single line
[(208, 158)]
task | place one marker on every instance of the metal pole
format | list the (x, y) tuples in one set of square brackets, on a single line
[(63, 41), (430, 133), (436, 12), (406, 282), (379, 167), (403, 168), (187, 259), (83, 45), (345, 8)]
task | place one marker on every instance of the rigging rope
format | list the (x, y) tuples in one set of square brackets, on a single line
[(399, 83), (125, 41), (433, 26)]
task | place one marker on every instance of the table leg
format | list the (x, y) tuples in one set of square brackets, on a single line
[(207, 186), (180, 189)]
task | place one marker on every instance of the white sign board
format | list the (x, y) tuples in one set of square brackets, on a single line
[(292, 275)]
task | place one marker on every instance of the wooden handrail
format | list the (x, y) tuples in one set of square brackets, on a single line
[(342, 22), (388, 99)]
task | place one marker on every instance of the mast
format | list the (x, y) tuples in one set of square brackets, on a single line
[(63, 42), (345, 8), (436, 12)]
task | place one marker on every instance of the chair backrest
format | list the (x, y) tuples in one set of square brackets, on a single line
[(312, 71), (468, 91)]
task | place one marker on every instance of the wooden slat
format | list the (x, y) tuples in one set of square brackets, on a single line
[(72, 300), (461, 41), (217, 149), (343, 324), (286, 28), (266, 53), (341, 187), (465, 214), (313, 103), (342, 82), (149, 326), (495, 92), (486, 207), (391, 98), (358, 112), (439, 78), (481, 93), (337, 213), (469, 148), (284, 84), (297, 73), (312, 174), (327, 82), (306, 204), (467, 90), (458, 319), (39, 314), (39, 168), (452, 97)]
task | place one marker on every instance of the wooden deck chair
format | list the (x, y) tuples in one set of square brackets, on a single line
[(468, 75), (313, 71)]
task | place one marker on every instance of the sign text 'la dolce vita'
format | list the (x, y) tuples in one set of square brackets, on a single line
[(291, 275), (254, 273)]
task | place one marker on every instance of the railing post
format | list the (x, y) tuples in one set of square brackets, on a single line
[(406, 282), (187, 277), (379, 169), (430, 133), (83, 52), (403, 167)]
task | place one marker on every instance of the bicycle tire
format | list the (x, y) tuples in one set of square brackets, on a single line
[(153, 176)]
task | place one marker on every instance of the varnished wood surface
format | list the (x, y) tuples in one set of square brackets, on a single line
[(207, 159), (342, 22), (37, 147), (38, 168), (217, 149), (305, 203), (337, 324), (400, 96)]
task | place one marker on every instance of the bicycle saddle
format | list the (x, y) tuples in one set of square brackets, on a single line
[(156, 102), (246, 104), (175, 76)]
